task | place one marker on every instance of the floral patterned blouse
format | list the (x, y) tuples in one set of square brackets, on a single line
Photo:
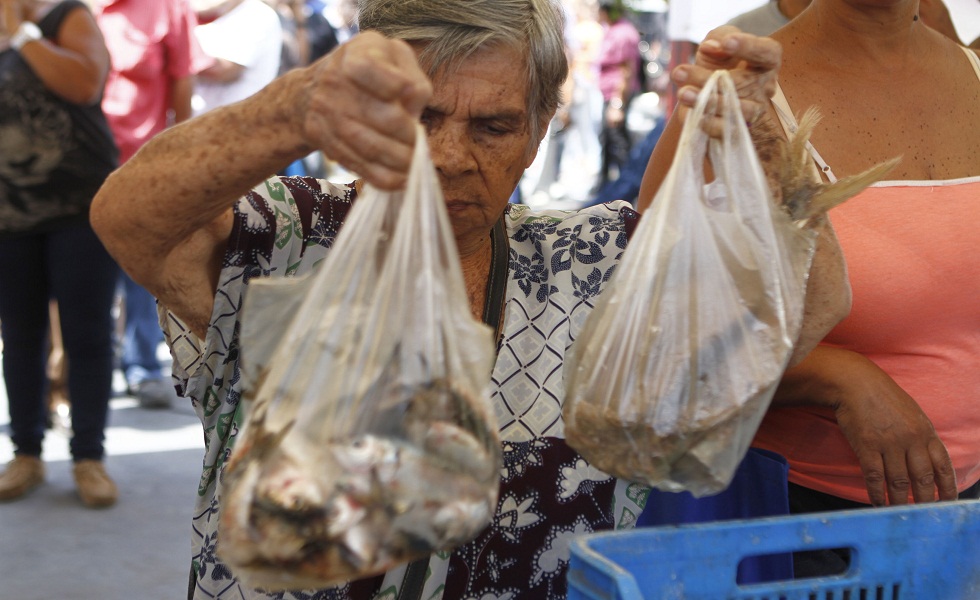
[(559, 262)]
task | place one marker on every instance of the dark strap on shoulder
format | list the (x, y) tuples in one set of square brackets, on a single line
[(493, 309), (493, 306), (411, 588), (50, 23), (631, 219)]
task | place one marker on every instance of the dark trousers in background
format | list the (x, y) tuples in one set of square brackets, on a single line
[(71, 266), (823, 563), (616, 145), (141, 334)]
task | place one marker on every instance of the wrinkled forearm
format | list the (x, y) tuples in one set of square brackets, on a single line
[(183, 179), (828, 292), (815, 380)]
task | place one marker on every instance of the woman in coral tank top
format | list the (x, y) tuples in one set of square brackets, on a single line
[(887, 409)]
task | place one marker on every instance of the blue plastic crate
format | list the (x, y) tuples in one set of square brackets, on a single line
[(926, 552)]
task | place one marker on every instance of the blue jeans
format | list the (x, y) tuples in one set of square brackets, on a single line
[(142, 334), (71, 266)]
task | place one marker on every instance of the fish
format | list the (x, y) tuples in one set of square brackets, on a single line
[(685, 422), (301, 513)]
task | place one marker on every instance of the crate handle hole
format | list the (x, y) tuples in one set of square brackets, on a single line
[(785, 566)]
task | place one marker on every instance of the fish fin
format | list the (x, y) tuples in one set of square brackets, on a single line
[(829, 196)]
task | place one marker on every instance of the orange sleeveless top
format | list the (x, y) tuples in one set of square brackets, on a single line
[(913, 257)]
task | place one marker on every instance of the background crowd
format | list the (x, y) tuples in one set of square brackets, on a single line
[(153, 63)]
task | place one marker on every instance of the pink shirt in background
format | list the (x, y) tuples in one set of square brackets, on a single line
[(152, 44), (620, 44)]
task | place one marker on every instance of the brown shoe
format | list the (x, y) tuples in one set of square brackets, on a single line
[(94, 485), (23, 474)]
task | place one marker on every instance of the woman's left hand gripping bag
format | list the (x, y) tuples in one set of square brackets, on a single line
[(369, 439)]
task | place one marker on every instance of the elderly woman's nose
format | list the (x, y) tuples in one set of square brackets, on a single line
[(452, 152)]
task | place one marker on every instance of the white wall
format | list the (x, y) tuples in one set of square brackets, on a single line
[(966, 18), (691, 20)]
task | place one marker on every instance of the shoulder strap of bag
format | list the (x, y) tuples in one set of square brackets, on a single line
[(51, 20), (414, 580), (493, 308)]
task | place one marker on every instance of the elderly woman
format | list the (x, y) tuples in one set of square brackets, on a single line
[(55, 151), (885, 411), (484, 78)]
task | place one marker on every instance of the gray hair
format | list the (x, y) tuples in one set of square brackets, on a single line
[(452, 30)]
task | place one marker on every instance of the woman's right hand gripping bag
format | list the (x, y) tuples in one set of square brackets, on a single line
[(677, 364), (369, 439)]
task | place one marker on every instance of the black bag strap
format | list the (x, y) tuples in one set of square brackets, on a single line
[(493, 309), (411, 588)]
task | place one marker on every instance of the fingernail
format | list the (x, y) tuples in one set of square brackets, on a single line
[(689, 96), (680, 75), (711, 45), (731, 44)]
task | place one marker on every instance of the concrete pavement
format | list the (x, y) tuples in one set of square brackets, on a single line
[(52, 547)]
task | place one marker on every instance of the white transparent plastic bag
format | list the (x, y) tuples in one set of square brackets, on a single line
[(369, 439), (677, 364)]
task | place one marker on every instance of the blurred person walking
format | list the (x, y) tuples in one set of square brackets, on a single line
[(307, 32), (56, 149), (619, 81), (154, 58), (342, 16), (244, 37)]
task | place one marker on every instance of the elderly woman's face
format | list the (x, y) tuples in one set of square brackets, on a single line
[(479, 136)]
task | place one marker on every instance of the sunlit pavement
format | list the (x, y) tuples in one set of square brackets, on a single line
[(52, 547)]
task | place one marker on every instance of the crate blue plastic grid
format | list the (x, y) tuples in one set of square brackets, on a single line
[(925, 552)]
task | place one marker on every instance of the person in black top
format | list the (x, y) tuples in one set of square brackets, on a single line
[(56, 149)]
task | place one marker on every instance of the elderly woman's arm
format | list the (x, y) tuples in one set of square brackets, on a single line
[(359, 105)]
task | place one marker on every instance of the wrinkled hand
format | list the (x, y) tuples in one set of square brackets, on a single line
[(895, 442), (753, 62), (361, 106)]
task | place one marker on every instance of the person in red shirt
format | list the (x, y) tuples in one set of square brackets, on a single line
[(155, 57)]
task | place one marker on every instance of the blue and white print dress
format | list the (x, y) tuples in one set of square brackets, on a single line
[(559, 262)]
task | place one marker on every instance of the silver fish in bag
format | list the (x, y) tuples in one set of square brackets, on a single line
[(369, 439), (676, 365)]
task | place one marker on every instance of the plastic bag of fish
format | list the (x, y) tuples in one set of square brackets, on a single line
[(677, 364), (369, 440)]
